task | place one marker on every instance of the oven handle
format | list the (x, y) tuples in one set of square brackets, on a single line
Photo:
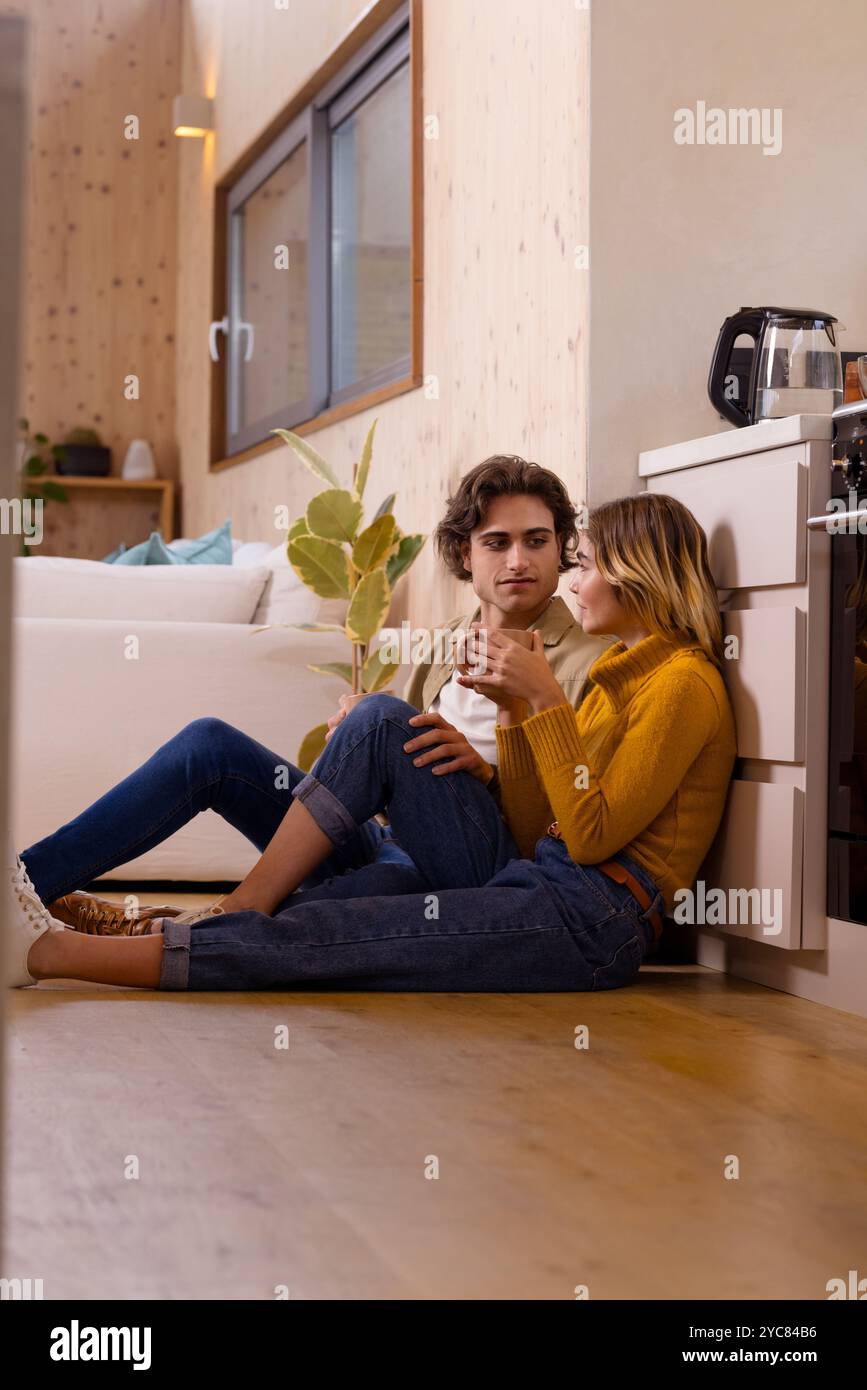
[(841, 743), (842, 730), (820, 523)]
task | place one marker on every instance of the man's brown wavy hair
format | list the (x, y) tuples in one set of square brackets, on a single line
[(503, 475)]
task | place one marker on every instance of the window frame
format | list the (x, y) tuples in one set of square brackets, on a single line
[(298, 133), (340, 87)]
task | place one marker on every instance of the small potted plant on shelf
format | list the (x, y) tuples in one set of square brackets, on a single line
[(34, 485), (85, 455), (338, 557)]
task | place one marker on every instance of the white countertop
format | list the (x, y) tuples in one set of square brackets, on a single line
[(769, 434)]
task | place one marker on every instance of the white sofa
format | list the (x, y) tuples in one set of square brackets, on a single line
[(87, 709)]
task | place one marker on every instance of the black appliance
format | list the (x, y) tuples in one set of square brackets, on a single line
[(847, 767)]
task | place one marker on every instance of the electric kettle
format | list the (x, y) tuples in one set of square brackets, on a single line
[(795, 369)]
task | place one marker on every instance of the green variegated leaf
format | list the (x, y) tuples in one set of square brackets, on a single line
[(368, 606), (406, 553), (312, 745), (334, 515), (375, 544), (364, 465), (308, 455), (321, 565), (298, 528), (385, 506), (334, 668), (376, 673)]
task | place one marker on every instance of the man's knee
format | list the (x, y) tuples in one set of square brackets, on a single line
[(376, 708), (208, 732)]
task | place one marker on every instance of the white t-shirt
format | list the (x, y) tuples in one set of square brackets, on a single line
[(475, 715)]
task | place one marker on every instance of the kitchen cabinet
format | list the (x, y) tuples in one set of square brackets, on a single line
[(752, 490)]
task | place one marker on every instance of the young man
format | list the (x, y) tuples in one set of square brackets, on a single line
[(510, 531)]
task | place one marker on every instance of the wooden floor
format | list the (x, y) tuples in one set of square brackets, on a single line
[(558, 1167)]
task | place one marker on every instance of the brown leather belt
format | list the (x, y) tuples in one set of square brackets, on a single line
[(614, 869)]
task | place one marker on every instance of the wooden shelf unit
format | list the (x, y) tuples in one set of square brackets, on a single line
[(126, 487)]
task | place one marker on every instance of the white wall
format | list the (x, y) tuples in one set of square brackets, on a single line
[(682, 236)]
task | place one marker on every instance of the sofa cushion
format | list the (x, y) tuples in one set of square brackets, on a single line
[(48, 586), (214, 548), (153, 551), (285, 599), (247, 553)]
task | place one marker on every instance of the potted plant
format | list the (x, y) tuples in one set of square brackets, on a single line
[(338, 557), (34, 486), (85, 455)]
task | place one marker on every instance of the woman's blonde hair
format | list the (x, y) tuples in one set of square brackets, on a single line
[(653, 552)]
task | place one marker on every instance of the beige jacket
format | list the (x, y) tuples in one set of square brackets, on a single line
[(569, 650)]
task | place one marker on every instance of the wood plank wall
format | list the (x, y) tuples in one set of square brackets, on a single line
[(505, 307), (102, 229)]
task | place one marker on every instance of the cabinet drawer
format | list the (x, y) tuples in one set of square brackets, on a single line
[(767, 681), (758, 847), (754, 519)]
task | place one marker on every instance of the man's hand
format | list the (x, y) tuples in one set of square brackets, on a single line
[(443, 740), (347, 703)]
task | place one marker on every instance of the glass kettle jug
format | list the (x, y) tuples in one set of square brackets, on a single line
[(796, 367)]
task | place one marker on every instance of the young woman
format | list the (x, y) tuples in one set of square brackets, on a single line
[(606, 813)]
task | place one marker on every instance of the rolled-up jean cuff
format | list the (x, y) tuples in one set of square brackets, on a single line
[(329, 814), (175, 967)]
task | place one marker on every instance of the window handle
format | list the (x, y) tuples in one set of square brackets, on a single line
[(217, 326), (249, 330), (222, 326)]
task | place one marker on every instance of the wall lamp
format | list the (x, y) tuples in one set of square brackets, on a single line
[(192, 115)]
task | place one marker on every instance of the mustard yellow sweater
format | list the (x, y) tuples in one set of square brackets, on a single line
[(656, 736)]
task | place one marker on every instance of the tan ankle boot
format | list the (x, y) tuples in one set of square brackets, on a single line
[(99, 917)]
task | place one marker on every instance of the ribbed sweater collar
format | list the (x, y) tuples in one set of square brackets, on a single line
[(621, 671)]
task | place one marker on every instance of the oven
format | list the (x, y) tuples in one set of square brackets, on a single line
[(847, 734)]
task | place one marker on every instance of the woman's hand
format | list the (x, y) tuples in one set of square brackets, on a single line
[(347, 703), (515, 673), (443, 740)]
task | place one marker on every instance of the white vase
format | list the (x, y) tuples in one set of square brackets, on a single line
[(139, 462)]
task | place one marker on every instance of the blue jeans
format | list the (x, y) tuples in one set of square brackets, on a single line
[(212, 766), (466, 913)]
